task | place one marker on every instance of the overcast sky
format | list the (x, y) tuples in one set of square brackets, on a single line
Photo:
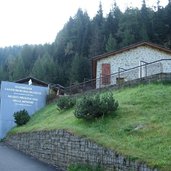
[(38, 21)]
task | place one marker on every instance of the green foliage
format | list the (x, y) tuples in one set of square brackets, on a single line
[(97, 45), (138, 106), (66, 60), (94, 106), (21, 117), (19, 70), (65, 102), (83, 167), (44, 68), (80, 69), (111, 44)]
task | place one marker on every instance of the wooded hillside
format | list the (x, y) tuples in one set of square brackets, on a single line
[(67, 59)]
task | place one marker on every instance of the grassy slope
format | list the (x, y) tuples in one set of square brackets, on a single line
[(146, 106)]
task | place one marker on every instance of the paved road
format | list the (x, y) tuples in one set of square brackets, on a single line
[(13, 160)]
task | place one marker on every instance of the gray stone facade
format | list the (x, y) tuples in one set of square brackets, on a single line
[(61, 148), (130, 59)]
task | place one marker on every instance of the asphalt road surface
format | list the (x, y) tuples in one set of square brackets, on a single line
[(13, 160)]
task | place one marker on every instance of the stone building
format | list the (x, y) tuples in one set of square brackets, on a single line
[(132, 62)]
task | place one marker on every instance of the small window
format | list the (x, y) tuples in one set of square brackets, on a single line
[(106, 74)]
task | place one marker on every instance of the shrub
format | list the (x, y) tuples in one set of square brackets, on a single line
[(65, 102), (21, 117), (94, 106)]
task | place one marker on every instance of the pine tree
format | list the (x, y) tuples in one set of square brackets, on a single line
[(145, 21), (80, 69), (82, 32), (167, 24), (10, 67), (129, 28), (44, 68), (97, 34), (19, 70), (144, 4), (111, 44)]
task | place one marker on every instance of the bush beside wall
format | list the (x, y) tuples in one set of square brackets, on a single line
[(21, 117), (62, 148)]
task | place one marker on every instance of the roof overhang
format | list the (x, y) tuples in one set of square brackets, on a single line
[(23, 80)]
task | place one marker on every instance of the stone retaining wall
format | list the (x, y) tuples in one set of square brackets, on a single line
[(88, 87), (61, 148)]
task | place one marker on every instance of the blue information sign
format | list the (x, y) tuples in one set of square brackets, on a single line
[(15, 97)]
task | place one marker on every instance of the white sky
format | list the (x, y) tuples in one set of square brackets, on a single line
[(38, 21)]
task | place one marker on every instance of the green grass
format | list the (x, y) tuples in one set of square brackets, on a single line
[(147, 107), (77, 167)]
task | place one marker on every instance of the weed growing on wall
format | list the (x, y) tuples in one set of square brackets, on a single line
[(94, 106), (21, 117)]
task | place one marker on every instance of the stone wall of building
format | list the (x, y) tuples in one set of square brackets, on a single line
[(61, 148), (132, 58)]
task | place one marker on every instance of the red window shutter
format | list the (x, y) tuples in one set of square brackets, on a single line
[(106, 73)]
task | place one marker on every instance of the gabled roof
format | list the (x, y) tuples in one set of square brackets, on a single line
[(40, 82), (133, 46), (35, 80)]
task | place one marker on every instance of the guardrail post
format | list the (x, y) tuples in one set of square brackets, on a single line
[(143, 63)]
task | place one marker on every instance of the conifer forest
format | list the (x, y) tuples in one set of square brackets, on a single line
[(68, 59)]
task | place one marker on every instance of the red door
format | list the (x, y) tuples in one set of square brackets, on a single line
[(106, 73)]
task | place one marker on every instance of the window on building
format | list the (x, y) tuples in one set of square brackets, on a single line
[(106, 74)]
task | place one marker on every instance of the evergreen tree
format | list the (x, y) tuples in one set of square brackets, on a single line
[(67, 58), (3, 74), (167, 25), (117, 14), (129, 28), (80, 69), (145, 21), (74, 70), (10, 63), (27, 56), (82, 32), (111, 28), (111, 44), (97, 34), (37, 70), (158, 4), (160, 28), (19, 70), (44, 68)]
